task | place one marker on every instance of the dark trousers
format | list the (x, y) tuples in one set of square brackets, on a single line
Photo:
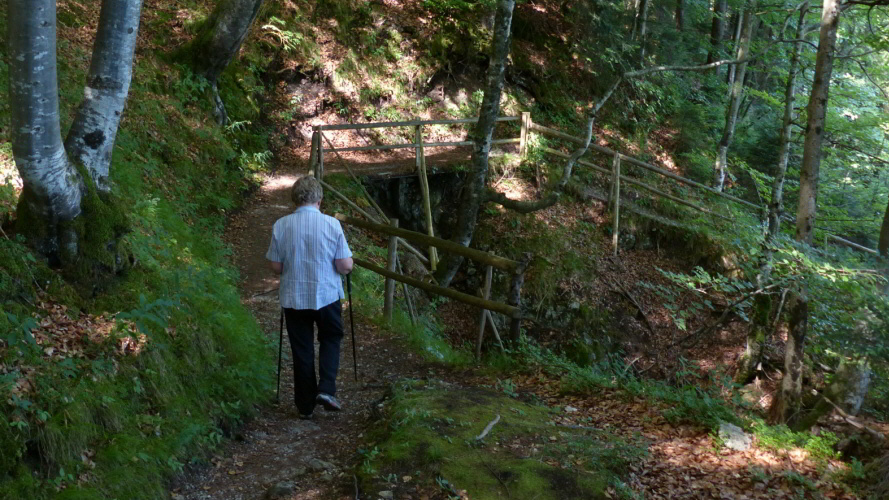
[(300, 330)]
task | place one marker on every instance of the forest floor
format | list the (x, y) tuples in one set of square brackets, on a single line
[(279, 456)]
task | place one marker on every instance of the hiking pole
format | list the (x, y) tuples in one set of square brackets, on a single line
[(280, 344), (352, 322)]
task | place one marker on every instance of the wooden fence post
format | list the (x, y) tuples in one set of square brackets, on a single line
[(615, 212), (486, 294), (515, 296), (424, 189), (523, 136), (389, 303), (313, 154), (319, 163)]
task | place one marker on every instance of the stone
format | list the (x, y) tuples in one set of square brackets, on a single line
[(386, 494), (570, 409), (279, 490), (319, 465), (734, 437)]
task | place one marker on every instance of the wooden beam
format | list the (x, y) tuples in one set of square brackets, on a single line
[(406, 145), (636, 183), (447, 245), (615, 197), (424, 189), (361, 211), (510, 311), (411, 123), (851, 244), (391, 262), (486, 294), (642, 164)]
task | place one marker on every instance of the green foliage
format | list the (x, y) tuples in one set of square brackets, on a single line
[(780, 437)]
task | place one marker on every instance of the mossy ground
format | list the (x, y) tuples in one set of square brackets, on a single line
[(427, 443)]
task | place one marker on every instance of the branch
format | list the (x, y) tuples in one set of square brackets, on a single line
[(871, 80), (488, 428)]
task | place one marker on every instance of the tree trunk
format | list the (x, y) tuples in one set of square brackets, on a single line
[(730, 74), (731, 116), (680, 15), (786, 404), (759, 327), (52, 188), (816, 111), (717, 29), (643, 27), (219, 40), (473, 190), (847, 391), (90, 141), (883, 244)]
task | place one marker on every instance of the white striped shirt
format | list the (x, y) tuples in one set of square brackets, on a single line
[(306, 242)]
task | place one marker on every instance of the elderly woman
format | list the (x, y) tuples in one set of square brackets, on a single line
[(309, 251)]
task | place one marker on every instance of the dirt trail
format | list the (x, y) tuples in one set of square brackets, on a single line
[(278, 455)]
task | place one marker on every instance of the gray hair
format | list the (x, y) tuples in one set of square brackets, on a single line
[(306, 191)]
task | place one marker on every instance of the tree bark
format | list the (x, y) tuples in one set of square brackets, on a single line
[(680, 15), (786, 405), (737, 87), (759, 326), (730, 74), (883, 244), (219, 40), (643, 27), (52, 187), (472, 194), (90, 141), (717, 29), (816, 111)]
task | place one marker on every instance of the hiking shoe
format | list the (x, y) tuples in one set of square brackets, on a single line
[(306, 416), (328, 402)]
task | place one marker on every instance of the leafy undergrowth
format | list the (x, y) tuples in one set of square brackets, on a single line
[(428, 445), (109, 395)]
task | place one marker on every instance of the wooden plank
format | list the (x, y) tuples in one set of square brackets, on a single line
[(510, 311), (523, 135), (424, 188), (634, 182), (447, 245), (406, 145), (486, 294), (361, 211), (642, 164), (410, 123), (391, 262), (851, 244)]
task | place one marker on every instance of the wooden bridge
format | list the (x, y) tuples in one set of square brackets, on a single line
[(379, 222)]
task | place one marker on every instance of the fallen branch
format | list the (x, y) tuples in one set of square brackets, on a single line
[(264, 293), (854, 422), (488, 428)]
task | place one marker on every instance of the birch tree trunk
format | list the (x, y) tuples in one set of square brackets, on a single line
[(90, 140), (219, 40), (762, 306), (52, 188), (717, 29), (473, 191), (786, 405), (737, 88), (730, 74)]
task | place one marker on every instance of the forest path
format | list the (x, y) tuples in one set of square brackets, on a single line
[(277, 455)]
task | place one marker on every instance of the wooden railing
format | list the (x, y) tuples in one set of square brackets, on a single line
[(516, 269)]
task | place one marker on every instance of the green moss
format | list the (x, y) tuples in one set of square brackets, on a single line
[(429, 433)]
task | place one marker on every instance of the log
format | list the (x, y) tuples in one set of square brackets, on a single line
[(642, 164), (486, 294), (405, 145), (642, 185), (510, 311), (392, 261), (411, 123), (369, 217), (447, 245)]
